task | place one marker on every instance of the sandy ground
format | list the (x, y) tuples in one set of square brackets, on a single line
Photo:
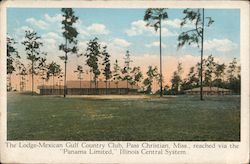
[(128, 97), (112, 96)]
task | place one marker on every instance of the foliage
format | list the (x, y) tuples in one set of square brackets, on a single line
[(116, 73), (106, 63), (152, 74), (12, 55), (232, 70), (195, 35), (136, 76), (43, 68), (209, 70), (32, 45), (22, 72), (126, 71), (214, 76), (232, 78), (192, 80), (219, 74), (93, 53), (79, 71), (54, 69), (70, 34), (154, 17), (176, 79)]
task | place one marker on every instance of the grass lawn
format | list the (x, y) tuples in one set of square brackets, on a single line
[(181, 118)]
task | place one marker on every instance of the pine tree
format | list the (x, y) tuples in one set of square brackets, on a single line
[(195, 35), (32, 45), (209, 70), (70, 34), (107, 68), (93, 54), (79, 71), (176, 79), (154, 17), (116, 73), (126, 71), (12, 56), (54, 70), (136, 76), (152, 74)]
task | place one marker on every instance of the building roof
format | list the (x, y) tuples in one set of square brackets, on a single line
[(208, 89), (88, 84)]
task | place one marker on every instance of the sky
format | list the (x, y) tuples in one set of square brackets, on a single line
[(124, 29)]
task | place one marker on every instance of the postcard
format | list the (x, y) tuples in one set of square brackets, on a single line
[(124, 82)]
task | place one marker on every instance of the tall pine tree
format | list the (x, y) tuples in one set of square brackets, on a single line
[(195, 35), (32, 45), (70, 34)]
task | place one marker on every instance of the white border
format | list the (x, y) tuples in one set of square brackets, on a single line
[(198, 156)]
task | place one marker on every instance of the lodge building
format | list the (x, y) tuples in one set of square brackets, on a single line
[(88, 88), (209, 91)]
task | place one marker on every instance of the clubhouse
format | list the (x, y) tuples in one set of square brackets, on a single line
[(209, 91), (88, 88)]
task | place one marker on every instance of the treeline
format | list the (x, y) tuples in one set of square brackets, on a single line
[(97, 59), (205, 73), (215, 75)]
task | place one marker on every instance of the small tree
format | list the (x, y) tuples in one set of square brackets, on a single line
[(152, 74), (209, 70), (53, 70), (126, 71), (32, 45), (92, 54), (12, 55), (21, 71), (193, 77), (116, 73), (233, 77), (219, 74), (79, 72), (232, 70), (106, 63), (43, 69), (136, 76), (70, 34), (176, 79), (195, 35), (60, 80), (154, 17)]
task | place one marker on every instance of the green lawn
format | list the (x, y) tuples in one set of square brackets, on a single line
[(182, 118)]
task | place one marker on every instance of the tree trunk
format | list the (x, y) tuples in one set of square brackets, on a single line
[(20, 81), (106, 87), (32, 77), (9, 83), (65, 72), (95, 85), (202, 37), (160, 63), (80, 86), (52, 84)]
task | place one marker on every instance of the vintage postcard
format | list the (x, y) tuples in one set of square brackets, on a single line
[(124, 82)]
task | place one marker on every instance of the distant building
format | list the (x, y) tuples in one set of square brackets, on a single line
[(209, 91), (88, 88)]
